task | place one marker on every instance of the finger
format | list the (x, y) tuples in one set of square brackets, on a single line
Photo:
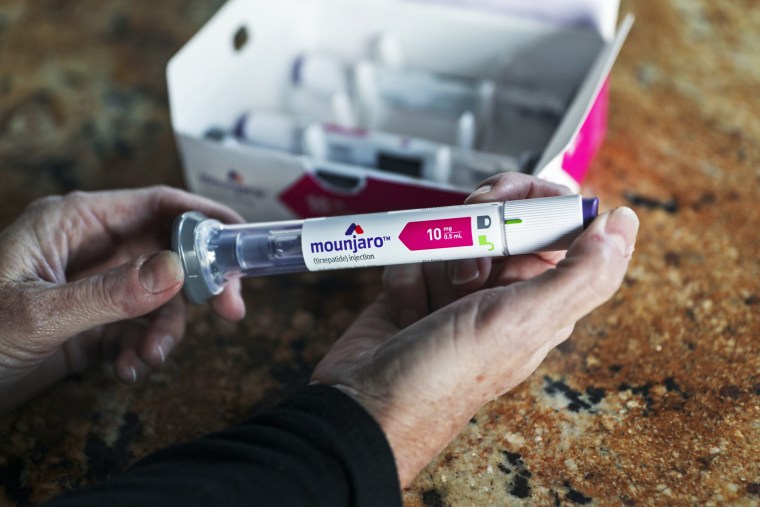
[(128, 367), (449, 281), (97, 222), (229, 304), (166, 330), (130, 290), (118, 343), (128, 211), (406, 293), (467, 275), (590, 274), (85, 267), (512, 186), (518, 268)]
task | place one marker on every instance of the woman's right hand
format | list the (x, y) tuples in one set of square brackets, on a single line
[(441, 341)]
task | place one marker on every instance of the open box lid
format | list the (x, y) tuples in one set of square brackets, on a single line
[(568, 154), (601, 15)]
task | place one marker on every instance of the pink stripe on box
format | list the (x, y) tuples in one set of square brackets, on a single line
[(578, 157)]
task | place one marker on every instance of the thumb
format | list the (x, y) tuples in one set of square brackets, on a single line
[(127, 291), (590, 274)]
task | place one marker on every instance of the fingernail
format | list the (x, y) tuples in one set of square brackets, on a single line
[(484, 189), (621, 227), (133, 374), (164, 346), (463, 271), (160, 272)]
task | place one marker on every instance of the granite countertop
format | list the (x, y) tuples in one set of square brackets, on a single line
[(655, 400)]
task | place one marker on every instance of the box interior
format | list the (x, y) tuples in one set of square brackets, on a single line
[(212, 82)]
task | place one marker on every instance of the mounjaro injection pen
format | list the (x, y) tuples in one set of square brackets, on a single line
[(212, 252)]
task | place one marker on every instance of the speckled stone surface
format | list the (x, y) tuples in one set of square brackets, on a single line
[(655, 400)]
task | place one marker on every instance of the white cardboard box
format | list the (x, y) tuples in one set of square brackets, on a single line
[(568, 50)]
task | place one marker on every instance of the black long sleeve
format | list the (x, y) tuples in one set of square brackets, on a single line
[(318, 448)]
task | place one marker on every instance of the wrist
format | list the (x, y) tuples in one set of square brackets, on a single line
[(409, 432)]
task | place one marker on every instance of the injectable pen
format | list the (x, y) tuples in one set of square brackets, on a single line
[(212, 252)]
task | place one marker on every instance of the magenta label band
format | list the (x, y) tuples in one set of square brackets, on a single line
[(432, 234)]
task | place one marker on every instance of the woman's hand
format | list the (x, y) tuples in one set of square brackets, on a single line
[(76, 273), (443, 339)]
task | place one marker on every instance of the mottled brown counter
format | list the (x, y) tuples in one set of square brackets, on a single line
[(655, 400)]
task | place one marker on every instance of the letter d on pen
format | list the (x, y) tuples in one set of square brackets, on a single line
[(212, 252)]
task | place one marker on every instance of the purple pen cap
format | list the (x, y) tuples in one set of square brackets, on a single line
[(590, 210)]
